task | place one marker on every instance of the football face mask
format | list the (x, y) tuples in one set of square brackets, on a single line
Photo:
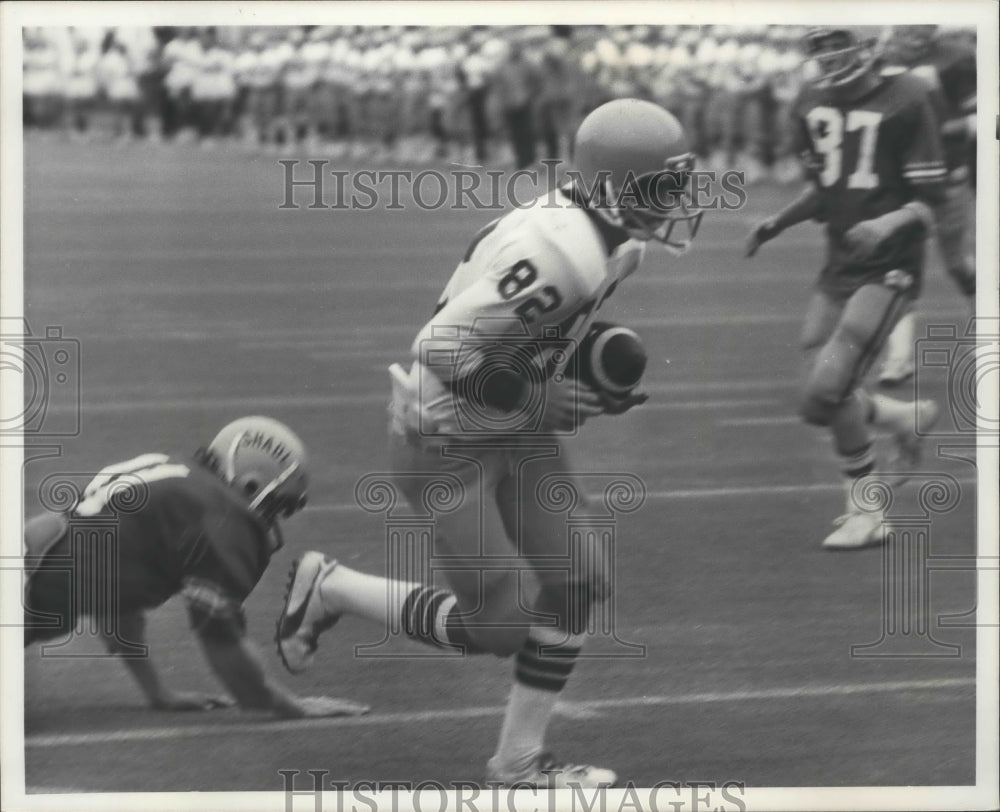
[(656, 206), (834, 58)]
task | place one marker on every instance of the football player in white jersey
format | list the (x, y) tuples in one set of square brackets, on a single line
[(485, 403)]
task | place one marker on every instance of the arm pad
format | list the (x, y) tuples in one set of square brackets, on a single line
[(213, 614)]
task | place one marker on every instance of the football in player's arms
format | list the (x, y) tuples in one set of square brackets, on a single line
[(511, 360), (611, 360)]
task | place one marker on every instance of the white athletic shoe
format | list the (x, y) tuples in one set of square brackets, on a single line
[(303, 617), (896, 371), (854, 531), (547, 773), (908, 441)]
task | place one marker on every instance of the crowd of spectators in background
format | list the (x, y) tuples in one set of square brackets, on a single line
[(498, 96)]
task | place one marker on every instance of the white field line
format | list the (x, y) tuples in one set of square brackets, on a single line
[(364, 255), (50, 740), (243, 402), (343, 337), (682, 494), (685, 406), (429, 284), (775, 420)]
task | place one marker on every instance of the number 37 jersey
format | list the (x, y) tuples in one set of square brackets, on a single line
[(875, 154), (535, 276)]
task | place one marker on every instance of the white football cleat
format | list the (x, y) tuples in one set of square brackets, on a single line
[(304, 617), (547, 773), (854, 531), (908, 440), (896, 371)]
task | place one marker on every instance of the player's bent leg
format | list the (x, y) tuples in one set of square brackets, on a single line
[(489, 612), (321, 591), (47, 596), (900, 347), (841, 363), (963, 273), (832, 397), (479, 618), (954, 219), (820, 320)]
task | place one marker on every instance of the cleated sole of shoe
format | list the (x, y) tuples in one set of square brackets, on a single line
[(283, 636), (555, 776)]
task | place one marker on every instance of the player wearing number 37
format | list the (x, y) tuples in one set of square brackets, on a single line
[(873, 155), (202, 527), (509, 363)]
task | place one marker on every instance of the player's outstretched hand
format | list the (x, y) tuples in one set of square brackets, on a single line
[(315, 707), (191, 701), (760, 234), (568, 404), (613, 405), (864, 239)]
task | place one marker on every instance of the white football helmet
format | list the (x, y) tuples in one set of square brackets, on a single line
[(265, 461), (633, 163)]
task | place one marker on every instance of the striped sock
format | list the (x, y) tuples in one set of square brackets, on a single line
[(430, 616), (858, 463), (542, 669), (545, 667)]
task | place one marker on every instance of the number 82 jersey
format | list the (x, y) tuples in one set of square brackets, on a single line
[(534, 278), (872, 154)]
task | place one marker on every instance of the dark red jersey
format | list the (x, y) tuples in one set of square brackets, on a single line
[(175, 520), (873, 154)]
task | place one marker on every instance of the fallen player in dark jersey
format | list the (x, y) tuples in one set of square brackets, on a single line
[(204, 528)]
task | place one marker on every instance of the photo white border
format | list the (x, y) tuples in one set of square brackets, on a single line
[(982, 14)]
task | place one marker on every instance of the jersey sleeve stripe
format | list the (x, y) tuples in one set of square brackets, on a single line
[(913, 174)]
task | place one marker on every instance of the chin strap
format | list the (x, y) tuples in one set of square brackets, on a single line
[(275, 483), (267, 490)]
